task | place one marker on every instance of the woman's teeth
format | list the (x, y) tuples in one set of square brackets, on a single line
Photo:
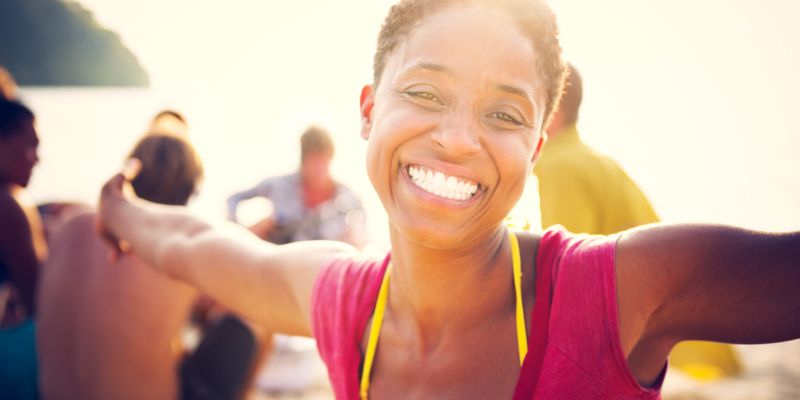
[(439, 184)]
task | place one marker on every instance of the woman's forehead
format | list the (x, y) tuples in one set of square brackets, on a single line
[(475, 43)]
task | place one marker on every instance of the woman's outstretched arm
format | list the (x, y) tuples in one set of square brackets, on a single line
[(705, 282), (270, 285)]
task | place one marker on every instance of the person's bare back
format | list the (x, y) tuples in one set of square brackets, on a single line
[(107, 330)]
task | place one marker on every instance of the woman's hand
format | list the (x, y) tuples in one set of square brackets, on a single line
[(115, 192)]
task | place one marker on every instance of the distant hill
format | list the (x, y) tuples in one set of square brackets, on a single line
[(59, 43)]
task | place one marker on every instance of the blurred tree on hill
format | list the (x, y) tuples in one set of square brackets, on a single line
[(59, 43)]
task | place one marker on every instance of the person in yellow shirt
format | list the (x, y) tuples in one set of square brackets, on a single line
[(579, 188), (588, 192)]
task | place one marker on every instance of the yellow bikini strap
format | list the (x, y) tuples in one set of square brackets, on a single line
[(374, 332), (380, 307), (522, 334)]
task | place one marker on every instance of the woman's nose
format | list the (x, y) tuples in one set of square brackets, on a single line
[(458, 135)]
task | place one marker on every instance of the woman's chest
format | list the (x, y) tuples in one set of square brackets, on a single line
[(479, 364)]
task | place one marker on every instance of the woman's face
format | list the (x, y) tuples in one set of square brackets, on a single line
[(454, 126), (18, 155)]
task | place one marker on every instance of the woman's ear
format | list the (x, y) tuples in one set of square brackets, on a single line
[(367, 101), (539, 146)]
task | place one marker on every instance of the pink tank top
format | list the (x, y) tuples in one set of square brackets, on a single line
[(580, 356)]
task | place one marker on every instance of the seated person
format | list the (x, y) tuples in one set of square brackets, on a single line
[(308, 204), (112, 329)]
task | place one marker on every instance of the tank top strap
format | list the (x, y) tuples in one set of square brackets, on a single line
[(540, 319)]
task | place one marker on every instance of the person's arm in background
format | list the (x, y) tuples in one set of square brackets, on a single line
[(704, 282), (20, 253), (267, 284), (263, 227), (262, 189)]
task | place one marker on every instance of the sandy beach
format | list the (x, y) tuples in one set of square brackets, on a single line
[(772, 372)]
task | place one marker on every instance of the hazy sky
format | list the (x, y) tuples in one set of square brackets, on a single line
[(698, 99)]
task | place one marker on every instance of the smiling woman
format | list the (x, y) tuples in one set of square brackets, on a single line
[(481, 115), (461, 307)]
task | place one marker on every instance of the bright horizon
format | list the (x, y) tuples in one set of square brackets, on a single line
[(697, 100)]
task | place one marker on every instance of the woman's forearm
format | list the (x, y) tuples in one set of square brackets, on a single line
[(153, 230), (270, 285)]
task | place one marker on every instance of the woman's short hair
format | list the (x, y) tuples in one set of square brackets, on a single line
[(171, 169)]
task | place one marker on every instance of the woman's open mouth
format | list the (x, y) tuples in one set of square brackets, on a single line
[(441, 184)]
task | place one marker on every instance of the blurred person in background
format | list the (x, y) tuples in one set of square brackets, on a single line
[(579, 188), (308, 204), (112, 329), (588, 192), (22, 250), (169, 121), (56, 213)]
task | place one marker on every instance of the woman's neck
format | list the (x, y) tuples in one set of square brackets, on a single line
[(434, 292)]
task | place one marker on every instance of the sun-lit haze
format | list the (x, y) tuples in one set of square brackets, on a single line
[(697, 100)]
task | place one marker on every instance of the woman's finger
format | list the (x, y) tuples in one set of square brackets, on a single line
[(131, 169), (113, 191)]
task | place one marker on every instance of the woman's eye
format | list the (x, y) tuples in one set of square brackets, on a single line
[(425, 96), (505, 117)]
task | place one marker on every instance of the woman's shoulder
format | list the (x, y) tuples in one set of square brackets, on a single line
[(341, 304), (558, 241), (350, 274), (578, 256), (348, 282)]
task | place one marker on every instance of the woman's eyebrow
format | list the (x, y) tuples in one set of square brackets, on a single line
[(430, 66), (514, 90)]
